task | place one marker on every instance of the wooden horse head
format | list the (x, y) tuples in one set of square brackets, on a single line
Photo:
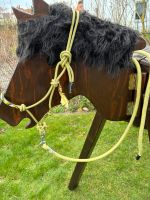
[(101, 59)]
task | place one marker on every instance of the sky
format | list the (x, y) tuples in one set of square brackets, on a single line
[(27, 3)]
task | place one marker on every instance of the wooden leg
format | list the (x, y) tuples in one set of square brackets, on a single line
[(90, 142)]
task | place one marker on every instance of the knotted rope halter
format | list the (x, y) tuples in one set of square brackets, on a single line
[(65, 61)]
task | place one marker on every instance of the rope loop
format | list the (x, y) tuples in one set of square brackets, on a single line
[(55, 83), (65, 57)]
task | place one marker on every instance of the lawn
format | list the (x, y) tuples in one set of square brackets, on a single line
[(28, 172)]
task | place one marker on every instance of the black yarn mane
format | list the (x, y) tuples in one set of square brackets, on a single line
[(98, 43)]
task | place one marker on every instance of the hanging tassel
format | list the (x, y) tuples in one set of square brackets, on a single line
[(64, 101)]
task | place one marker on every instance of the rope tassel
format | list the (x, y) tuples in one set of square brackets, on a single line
[(64, 101)]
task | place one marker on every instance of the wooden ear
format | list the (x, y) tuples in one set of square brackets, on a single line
[(22, 16), (40, 7)]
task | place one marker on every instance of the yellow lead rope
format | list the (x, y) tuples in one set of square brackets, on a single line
[(141, 130), (66, 58), (144, 109), (139, 81)]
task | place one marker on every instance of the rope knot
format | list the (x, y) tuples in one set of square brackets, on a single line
[(65, 57), (55, 83), (22, 107)]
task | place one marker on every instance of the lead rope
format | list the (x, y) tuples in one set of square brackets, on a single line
[(139, 81), (142, 124), (144, 109), (65, 61)]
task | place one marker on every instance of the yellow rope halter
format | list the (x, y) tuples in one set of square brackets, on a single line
[(65, 61)]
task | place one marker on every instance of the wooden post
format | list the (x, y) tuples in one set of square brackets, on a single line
[(90, 142)]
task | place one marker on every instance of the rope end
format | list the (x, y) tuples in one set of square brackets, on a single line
[(70, 87), (138, 157), (44, 146)]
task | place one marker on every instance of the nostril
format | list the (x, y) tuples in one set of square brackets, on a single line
[(140, 44)]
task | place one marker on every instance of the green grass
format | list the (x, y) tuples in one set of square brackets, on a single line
[(28, 172)]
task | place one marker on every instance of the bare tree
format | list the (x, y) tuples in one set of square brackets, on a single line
[(97, 9), (118, 11), (144, 2)]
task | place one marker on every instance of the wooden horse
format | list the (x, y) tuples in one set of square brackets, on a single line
[(109, 94)]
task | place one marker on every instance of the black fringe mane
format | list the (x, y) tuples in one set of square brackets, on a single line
[(98, 43)]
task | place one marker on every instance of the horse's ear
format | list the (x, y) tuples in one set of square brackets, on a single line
[(40, 7), (22, 16)]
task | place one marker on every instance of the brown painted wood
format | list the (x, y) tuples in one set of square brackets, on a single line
[(40, 8), (108, 94), (90, 142), (140, 44), (22, 16)]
